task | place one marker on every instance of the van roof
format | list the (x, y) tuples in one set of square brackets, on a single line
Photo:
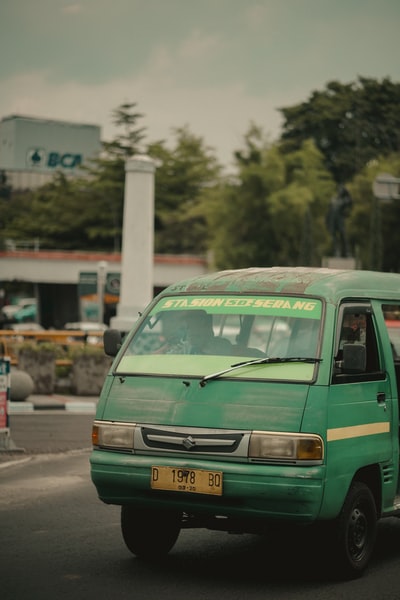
[(332, 284)]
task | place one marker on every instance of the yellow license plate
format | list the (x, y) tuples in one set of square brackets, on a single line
[(196, 481)]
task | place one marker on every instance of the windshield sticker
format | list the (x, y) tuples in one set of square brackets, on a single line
[(271, 305)]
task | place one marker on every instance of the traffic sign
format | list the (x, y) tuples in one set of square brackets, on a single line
[(386, 187)]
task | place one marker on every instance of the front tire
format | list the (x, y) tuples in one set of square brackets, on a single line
[(354, 532), (149, 533)]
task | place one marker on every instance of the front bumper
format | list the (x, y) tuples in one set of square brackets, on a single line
[(254, 491)]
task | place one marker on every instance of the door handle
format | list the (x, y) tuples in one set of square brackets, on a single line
[(381, 398)]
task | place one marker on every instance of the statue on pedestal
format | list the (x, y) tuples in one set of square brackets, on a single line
[(339, 209)]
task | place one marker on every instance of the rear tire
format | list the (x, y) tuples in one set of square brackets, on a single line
[(149, 533), (354, 532)]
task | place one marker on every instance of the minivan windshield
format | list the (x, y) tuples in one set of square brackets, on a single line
[(194, 335)]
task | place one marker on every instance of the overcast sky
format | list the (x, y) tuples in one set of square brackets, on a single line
[(214, 65)]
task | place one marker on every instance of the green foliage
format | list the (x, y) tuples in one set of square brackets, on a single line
[(5, 187), (350, 124), (274, 212), (63, 371), (84, 213), (183, 175), (373, 226), (128, 142), (74, 352), (33, 347), (67, 215)]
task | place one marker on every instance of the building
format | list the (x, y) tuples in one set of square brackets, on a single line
[(32, 150), (65, 283), (76, 286)]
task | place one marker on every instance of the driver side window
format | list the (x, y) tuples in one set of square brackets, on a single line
[(356, 328)]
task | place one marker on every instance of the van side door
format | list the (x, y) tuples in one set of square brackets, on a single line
[(360, 399)]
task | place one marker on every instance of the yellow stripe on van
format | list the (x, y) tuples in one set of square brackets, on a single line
[(344, 433)]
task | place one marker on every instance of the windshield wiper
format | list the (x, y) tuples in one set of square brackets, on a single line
[(278, 359), (258, 361)]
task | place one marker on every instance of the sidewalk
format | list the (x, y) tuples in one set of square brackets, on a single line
[(36, 402), (28, 435)]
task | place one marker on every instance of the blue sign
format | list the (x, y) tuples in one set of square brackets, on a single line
[(66, 161), (40, 159)]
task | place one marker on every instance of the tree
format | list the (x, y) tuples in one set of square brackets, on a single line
[(86, 212), (274, 213), (105, 189), (239, 214), (373, 225), (5, 187), (57, 215), (350, 124), (299, 208), (183, 175), (128, 142)]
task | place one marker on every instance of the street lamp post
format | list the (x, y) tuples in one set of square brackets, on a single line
[(101, 280)]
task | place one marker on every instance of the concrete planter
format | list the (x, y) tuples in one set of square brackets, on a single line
[(39, 363), (88, 372)]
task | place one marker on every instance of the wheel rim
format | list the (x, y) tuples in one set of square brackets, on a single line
[(358, 534)]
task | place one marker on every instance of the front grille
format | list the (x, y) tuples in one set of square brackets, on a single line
[(193, 442)]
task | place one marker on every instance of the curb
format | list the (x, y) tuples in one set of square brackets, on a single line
[(88, 407), (14, 461), (18, 408)]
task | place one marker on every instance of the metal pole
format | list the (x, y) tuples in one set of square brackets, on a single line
[(4, 399), (101, 279)]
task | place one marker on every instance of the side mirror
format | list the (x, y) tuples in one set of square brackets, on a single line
[(112, 341), (354, 358)]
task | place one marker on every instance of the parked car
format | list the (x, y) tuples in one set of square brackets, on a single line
[(13, 311), (26, 314)]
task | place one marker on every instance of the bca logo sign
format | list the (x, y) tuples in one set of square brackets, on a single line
[(38, 158)]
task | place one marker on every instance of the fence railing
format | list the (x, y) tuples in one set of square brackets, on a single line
[(10, 340)]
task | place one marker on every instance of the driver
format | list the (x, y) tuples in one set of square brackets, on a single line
[(200, 335)]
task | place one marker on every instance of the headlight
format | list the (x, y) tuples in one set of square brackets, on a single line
[(285, 446), (113, 435)]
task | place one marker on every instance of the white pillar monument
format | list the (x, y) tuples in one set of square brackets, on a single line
[(137, 256)]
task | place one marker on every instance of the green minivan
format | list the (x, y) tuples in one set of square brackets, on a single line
[(252, 398)]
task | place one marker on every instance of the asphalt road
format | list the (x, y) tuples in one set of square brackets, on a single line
[(48, 432), (59, 540)]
